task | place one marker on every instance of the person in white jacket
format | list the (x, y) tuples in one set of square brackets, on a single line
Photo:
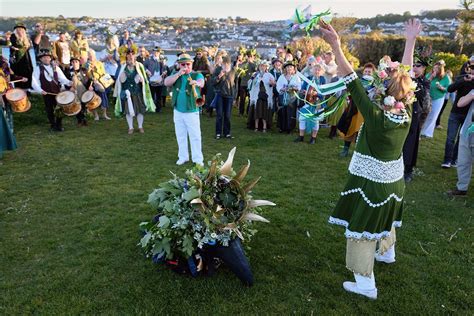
[(47, 79), (261, 97)]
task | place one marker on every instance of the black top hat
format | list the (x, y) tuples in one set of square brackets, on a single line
[(44, 52), (20, 25), (289, 63), (274, 60)]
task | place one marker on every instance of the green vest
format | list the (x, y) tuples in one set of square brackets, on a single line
[(190, 100)]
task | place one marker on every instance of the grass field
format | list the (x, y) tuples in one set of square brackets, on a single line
[(70, 205)]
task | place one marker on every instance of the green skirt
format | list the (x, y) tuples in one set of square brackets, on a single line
[(371, 202)]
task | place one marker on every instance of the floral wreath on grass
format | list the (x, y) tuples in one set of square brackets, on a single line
[(209, 206), (378, 83)]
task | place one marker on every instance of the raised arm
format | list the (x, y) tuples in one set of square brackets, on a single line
[(412, 30)]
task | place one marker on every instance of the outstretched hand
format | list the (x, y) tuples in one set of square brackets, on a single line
[(329, 34), (412, 28)]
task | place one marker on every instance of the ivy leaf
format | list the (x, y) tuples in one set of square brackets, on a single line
[(157, 248), (188, 245), (165, 243), (144, 241), (191, 194), (164, 222)]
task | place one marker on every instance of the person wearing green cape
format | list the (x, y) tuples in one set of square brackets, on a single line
[(133, 92), (7, 139), (371, 205)]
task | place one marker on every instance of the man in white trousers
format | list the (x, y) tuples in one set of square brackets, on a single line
[(185, 85)]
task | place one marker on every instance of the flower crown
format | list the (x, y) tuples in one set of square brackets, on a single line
[(377, 87)]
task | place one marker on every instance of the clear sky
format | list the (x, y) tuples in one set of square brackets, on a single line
[(265, 10)]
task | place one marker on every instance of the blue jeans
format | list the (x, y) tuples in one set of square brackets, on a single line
[(452, 141), (223, 112)]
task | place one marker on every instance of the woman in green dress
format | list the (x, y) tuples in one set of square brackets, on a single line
[(371, 204)]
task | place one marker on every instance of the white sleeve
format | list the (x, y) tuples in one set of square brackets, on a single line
[(62, 78), (35, 81), (297, 82), (280, 83)]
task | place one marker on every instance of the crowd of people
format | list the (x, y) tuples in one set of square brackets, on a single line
[(270, 92), (387, 111)]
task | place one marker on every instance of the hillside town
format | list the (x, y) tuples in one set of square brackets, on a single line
[(228, 33)]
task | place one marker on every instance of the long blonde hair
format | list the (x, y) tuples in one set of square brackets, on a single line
[(442, 72), (399, 86), (22, 38)]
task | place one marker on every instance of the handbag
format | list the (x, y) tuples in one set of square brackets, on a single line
[(106, 81)]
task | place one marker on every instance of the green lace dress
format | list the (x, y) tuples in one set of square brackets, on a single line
[(372, 200)]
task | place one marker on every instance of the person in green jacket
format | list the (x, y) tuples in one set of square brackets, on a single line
[(186, 89), (371, 205)]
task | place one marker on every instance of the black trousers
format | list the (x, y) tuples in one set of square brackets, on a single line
[(49, 105), (412, 142), (156, 92), (242, 96), (81, 117)]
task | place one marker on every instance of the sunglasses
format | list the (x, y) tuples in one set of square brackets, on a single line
[(185, 64), (470, 66), (417, 65)]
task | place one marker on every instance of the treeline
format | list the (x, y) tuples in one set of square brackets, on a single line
[(371, 48), (396, 18)]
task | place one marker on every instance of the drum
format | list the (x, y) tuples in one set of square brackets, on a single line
[(18, 100), (91, 100), (68, 102)]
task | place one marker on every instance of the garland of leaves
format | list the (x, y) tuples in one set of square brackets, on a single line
[(208, 206)]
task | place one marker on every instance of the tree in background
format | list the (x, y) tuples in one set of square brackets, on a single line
[(464, 32)]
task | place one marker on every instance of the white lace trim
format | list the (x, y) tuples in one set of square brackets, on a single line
[(376, 170), (349, 78), (363, 235), (397, 118), (370, 203)]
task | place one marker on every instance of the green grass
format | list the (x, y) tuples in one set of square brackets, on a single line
[(70, 205)]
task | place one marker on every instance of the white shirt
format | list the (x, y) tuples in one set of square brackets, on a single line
[(48, 74), (66, 55), (282, 82)]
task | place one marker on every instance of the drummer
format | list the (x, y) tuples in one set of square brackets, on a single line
[(47, 80), (7, 138), (81, 83)]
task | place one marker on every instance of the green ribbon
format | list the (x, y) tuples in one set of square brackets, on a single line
[(321, 115), (315, 20)]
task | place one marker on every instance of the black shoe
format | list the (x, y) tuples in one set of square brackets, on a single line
[(299, 139), (345, 152), (228, 136), (408, 177), (218, 136), (312, 141), (456, 192)]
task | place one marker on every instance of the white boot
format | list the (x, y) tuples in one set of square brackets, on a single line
[(363, 285), (387, 257)]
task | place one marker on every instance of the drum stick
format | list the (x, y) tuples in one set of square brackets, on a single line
[(13, 81), (52, 93)]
